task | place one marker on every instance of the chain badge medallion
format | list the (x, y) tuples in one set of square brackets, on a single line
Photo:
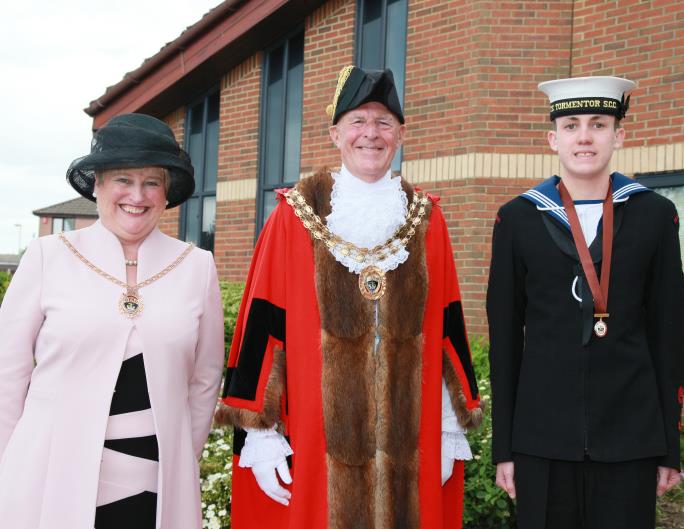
[(372, 279), (130, 304), (372, 283)]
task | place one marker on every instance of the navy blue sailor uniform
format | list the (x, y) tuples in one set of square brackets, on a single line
[(560, 392)]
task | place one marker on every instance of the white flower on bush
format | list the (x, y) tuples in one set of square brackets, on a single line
[(208, 483)]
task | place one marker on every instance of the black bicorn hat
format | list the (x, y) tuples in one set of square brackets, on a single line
[(356, 87), (135, 141)]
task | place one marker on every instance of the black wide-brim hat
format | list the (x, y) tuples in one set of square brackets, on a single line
[(356, 87), (135, 141)]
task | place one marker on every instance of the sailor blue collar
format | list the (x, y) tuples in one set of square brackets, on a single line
[(546, 197)]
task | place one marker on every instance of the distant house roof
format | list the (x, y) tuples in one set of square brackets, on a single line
[(76, 207), (8, 260)]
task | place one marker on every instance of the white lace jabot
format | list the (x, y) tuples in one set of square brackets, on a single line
[(367, 214)]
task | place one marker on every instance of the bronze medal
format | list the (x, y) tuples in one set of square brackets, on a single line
[(130, 304), (600, 328), (599, 290), (372, 282)]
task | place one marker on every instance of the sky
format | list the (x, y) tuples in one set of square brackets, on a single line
[(56, 57)]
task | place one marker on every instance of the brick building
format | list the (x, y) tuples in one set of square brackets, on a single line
[(69, 215), (245, 89)]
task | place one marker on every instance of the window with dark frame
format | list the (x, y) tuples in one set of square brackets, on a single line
[(381, 28), (670, 184), (198, 213), (280, 121)]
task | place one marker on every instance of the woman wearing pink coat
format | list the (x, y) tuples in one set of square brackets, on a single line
[(111, 351)]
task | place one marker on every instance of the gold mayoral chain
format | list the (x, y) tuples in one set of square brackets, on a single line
[(372, 280), (130, 302)]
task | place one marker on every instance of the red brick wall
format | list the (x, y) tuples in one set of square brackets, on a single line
[(470, 207), (84, 222), (238, 158), (169, 220), (235, 239), (643, 41), (472, 72), (44, 226), (328, 46)]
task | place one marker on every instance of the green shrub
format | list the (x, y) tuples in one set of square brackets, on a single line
[(216, 465), (216, 473), (4, 283), (231, 294), (485, 506)]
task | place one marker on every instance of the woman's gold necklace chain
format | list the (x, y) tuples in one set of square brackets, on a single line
[(372, 281), (130, 302)]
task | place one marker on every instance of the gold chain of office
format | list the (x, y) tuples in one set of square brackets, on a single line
[(130, 302), (372, 281)]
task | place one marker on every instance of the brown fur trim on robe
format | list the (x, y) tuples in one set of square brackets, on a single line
[(467, 418), (371, 395), (270, 413)]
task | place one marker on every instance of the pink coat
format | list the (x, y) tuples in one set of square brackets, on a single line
[(62, 340)]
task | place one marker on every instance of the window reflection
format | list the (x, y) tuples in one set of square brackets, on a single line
[(202, 139), (381, 43), (208, 222), (60, 225), (281, 121)]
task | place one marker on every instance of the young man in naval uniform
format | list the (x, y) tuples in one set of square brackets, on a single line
[(350, 351), (586, 329)]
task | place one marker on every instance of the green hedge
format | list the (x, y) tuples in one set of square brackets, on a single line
[(485, 505), (216, 465), (4, 283)]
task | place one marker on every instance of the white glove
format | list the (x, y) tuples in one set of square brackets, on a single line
[(454, 443), (447, 467), (265, 474), (265, 452)]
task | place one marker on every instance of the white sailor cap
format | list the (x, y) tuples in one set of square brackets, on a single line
[(588, 95)]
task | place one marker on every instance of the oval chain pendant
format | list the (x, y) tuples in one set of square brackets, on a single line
[(372, 282), (130, 304)]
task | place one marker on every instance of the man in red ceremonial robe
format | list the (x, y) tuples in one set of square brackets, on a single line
[(350, 352)]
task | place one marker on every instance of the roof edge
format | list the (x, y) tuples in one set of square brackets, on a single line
[(53, 209), (136, 76)]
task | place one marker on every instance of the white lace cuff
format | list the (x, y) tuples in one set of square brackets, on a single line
[(449, 419), (455, 445), (264, 446)]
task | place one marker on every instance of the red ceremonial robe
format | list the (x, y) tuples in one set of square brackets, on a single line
[(365, 426)]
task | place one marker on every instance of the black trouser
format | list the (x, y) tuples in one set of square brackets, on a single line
[(134, 512), (554, 494)]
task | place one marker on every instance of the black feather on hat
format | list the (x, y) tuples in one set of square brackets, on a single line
[(135, 141), (356, 87)]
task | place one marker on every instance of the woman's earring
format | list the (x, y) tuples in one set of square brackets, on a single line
[(94, 193), (167, 202)]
